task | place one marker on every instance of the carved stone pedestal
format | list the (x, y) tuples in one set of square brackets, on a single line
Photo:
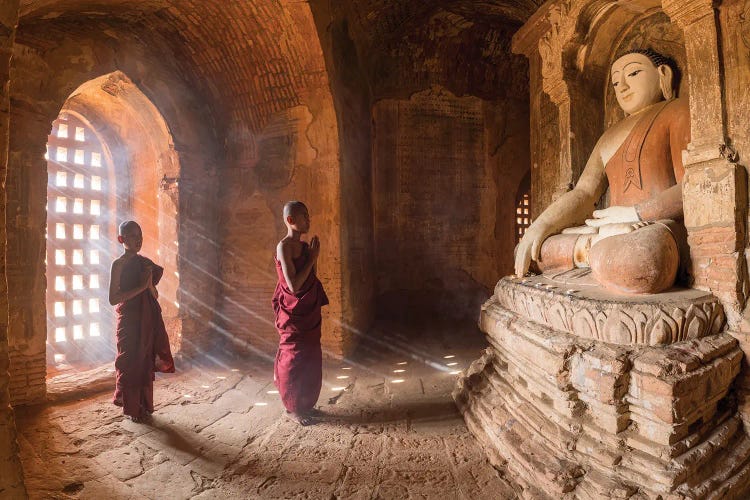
[(607, 413)]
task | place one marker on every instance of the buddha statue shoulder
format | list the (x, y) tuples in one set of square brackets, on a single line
[(635, 245)]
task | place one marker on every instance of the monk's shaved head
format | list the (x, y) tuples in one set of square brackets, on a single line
[(128, 226), (293, 208)]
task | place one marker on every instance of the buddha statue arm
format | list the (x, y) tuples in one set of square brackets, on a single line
[(665, 205), (571, 209)]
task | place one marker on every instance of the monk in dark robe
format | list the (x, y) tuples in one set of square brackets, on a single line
[(297, 302), (142, 341)]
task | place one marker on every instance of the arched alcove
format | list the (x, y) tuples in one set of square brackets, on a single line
[(654, 30), (604, 33), (615, 30), (134, 145), (153, 94)]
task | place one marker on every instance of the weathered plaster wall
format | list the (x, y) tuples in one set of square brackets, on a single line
[(440, 214), (295, 160), (446, 173), (450, 149), (292, 154), (11, 474)]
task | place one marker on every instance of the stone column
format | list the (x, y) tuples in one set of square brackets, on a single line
[(550, 40), (193, 196), (26, 220), (714, 193), (11, 474), (558, 85), (715, 187), (525, 42), (169, 223)]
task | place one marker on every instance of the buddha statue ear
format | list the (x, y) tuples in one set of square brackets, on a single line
[(666, 81)]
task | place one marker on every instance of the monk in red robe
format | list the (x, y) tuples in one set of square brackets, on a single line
[(142, 341), (297, 301)]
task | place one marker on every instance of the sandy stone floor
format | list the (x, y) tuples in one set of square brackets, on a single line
[(219, 432)]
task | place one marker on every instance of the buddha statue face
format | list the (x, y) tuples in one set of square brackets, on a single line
[(637, 82)]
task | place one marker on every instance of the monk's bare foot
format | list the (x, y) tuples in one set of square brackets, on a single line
[(143, 418), (303, 419), (316, 413)]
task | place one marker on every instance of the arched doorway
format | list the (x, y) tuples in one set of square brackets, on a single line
[(110, 158)]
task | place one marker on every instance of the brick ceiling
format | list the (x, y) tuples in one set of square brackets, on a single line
[(250, 53), (254, 57)]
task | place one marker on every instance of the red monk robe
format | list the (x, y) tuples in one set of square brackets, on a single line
[(142, 342), (298, 369)]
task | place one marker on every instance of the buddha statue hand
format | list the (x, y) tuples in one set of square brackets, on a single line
[(530, 246), (613, 215)]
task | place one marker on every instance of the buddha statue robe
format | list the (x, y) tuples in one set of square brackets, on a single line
[(646, 170)]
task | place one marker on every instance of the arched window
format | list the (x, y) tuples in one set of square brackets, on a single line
[(79, 251), (523, 207)]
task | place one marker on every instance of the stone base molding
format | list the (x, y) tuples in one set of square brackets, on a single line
[(575, 417), (588, 311)]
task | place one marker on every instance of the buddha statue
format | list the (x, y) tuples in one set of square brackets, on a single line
[(633, 246)]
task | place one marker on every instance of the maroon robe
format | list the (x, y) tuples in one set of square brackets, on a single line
[(142, 342), (298, 369)]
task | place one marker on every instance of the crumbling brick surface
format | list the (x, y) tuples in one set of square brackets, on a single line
[(11, 474), (573, 415)]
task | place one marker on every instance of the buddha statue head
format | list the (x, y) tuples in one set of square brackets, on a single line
[(640, 78)]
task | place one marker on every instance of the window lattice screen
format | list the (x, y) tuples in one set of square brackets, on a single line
[(79, 318), (523, 215)]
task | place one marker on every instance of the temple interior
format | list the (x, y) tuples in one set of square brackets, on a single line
[(437, 144)]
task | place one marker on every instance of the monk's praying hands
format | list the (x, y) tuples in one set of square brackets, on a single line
[(314, 247)]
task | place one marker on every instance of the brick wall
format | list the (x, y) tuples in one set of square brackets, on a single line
[(11, 474)]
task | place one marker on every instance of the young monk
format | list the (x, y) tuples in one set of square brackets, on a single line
[(142, 342), (299, 296)]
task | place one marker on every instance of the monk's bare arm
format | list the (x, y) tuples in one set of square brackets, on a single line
[(294, 278), (117, 296)]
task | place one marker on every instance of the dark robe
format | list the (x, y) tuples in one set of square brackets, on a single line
[(142, 342), (298, 369)]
